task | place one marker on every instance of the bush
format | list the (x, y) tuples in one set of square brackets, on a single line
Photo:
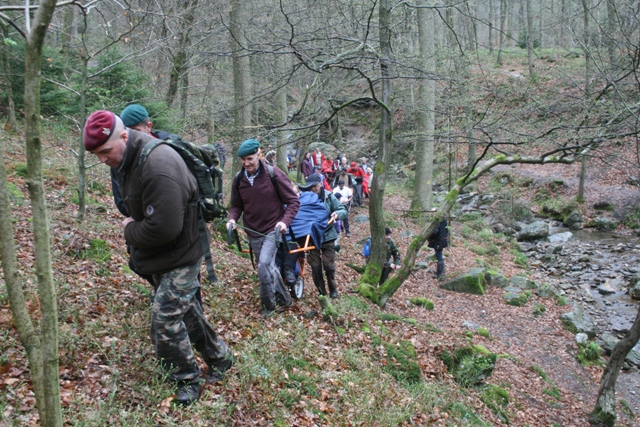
[(589, 353)]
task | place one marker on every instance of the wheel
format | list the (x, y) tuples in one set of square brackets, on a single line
[(298, 288)]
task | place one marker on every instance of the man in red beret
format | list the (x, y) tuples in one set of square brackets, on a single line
[(162, 231)]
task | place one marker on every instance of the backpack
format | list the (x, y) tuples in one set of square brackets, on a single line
[(366, 250), (202, 161)]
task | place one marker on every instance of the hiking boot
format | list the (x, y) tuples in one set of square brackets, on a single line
[(348, 234), (216, 373), (188, 393), (268, 312)]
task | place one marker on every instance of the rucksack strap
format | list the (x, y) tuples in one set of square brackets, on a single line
[(204, 242)]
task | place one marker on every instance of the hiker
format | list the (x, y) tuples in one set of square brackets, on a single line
[(359, 176), (345, 198), (136, 117), (265, 199), (317, 158), (306, 167), (162, 231), (220, 146), (324, 255), (392, 251), (438, 240)]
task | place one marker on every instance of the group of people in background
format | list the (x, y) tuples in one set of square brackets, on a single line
[(161, 230)]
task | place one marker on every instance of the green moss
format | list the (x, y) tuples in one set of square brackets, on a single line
[(369, 292), (411, 321), (451, 197), (520, 301), (589, 353), (600, 417), (497, 399), (500, 158), (560, 300), (553, 392), (469, 366), (21, 170), (401, 361), (422, 302), (538, 309), (481, 349), (476, 284), (483, 332), (389, 316)]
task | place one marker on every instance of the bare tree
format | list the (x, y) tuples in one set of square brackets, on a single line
[(42, 349)]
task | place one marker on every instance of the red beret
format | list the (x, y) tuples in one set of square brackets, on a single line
[(354, 164), (98, 129)]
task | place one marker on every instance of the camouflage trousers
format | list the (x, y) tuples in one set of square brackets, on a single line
[(272, 288), (178, 321)]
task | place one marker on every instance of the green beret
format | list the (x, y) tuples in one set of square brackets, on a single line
[(250, 146), (133, 115)]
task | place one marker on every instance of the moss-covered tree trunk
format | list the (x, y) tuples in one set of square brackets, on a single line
[(373, 270), (605, 409)]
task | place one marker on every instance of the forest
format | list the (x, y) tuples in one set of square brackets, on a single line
[(530, 105)]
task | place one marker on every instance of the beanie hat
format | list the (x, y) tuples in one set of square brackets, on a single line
[(354, 164), (314, 179), (98, 129), (250, 146), (134, 114), (387, 231)]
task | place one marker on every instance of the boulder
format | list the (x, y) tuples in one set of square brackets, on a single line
[(516, 296), (573, 221), (496, 279), (473, 282), (522, 282), (534, 231), (579, 321), (560, 237), (602, 224)]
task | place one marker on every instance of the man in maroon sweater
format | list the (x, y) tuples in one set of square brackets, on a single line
[(264, 205)]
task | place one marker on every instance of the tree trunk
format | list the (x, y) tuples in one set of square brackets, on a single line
[(180, 61), (586, 46), (530, 38), (605, 409), (503, 29), (8, 88), (241, 79), (612, 23), (281, 102), (423, 185), (378, 246), (492, 14), (583, 173), (42, 351)]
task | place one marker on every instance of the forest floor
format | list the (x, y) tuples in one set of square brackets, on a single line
[(106, 356)]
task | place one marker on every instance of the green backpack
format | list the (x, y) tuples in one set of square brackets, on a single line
[(202, 161)]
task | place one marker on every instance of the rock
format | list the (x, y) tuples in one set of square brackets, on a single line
[(560, 237), (545, 291), (579, 321), (496, 279), (634, 291), (534, 231), (361, 219), (470, 325), (582, 338), (473, 282), (573, 221), (516, 296), (602, 224), (522, 282), (609, 341)]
